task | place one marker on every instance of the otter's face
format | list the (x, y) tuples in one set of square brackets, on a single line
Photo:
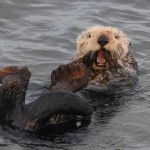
[(104, 43)]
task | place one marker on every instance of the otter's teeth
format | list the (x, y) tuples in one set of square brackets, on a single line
[(101, 62), (101, 58)]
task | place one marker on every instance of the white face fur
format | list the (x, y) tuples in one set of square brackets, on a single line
[(88, 42)]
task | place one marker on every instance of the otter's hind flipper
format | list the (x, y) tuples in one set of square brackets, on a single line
[(40, 113), (14, 82)]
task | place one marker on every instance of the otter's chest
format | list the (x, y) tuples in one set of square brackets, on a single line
[(101, 76)]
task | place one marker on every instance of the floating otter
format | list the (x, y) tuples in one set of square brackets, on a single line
[(103, 63)]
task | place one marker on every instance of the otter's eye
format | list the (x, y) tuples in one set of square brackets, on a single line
[(89, 35), (117, 37)]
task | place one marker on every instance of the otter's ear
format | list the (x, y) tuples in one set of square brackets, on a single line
[(129, 44)]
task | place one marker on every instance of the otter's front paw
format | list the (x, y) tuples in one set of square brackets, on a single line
[(69, 77)]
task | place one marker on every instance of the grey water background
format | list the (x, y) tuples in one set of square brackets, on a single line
[(41, 34)]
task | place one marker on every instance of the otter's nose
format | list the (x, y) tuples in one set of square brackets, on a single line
[(103, 40)]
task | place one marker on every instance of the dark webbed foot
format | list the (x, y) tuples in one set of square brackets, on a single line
[(13, 87), (11, 70), (70, 77)]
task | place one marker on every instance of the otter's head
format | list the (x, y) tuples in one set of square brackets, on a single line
[(100, 44)]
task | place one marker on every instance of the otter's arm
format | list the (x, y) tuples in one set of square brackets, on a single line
[(54, 108)]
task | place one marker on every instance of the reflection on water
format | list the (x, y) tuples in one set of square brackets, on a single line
[(41, 34)]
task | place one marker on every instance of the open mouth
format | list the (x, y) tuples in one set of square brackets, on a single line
[(97, 59), (100, 58)]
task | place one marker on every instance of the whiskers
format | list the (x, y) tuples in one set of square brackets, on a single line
[(92, 55)]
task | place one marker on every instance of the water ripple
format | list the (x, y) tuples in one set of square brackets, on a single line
[(41, 34)]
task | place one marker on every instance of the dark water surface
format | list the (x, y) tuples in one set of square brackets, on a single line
[(41, 34)]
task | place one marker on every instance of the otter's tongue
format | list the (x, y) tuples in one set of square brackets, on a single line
[(101, 58)]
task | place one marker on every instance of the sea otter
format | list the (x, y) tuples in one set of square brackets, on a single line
[(106, 54), (103, 63)]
